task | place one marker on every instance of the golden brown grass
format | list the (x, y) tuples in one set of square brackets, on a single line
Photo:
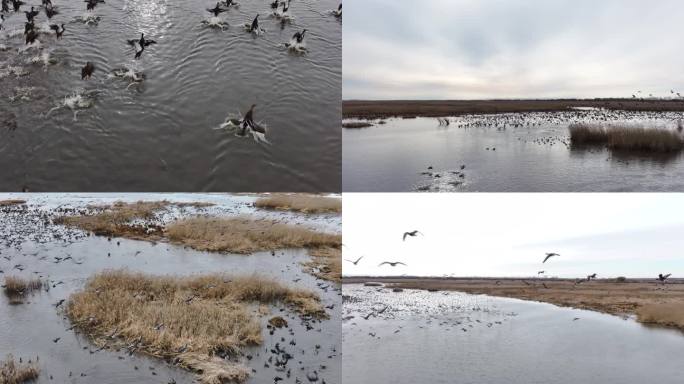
[(116, 219), (326, 263), (629, 138), (300, 203), (192, 320), (9, 202), (667, 314), (245, 235), (12, 372), (17, 288)]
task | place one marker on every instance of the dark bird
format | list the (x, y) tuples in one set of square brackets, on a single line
[(541, 272), (274, 4), (412, 234), (549, 255), (16, 4), (255, 24), (299, 36), (216, 10), (248, 121), (5, 7), (662, 277), (338, 12), (56, 340), (355, 262), (31, 14), (393, 264), (59, 30), (2, 18), (144, 42), (87, 70), (591, 277), (59, 303)]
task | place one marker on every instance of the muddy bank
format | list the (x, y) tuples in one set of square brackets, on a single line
[(425, 108), (648, 301)]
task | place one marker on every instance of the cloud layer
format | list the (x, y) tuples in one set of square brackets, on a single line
[(468, 49)]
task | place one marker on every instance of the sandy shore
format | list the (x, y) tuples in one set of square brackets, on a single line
[(414, 108), (647, 300)]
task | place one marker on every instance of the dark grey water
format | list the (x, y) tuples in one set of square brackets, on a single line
[(163, 133), (27, 330), (498, 156), (459, 338)]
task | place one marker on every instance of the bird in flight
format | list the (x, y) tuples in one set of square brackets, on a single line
[(591, 277), (549, 255), (541, 272), (354, 262), (412, 234), (662, 277), (393, 264)]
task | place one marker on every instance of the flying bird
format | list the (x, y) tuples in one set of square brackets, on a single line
[(591, 277), (662, 277), (412, 234), (549, 255), (393, 264), (541, 272), (354, 262)]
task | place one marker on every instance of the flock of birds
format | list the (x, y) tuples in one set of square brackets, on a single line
[(280, 9)]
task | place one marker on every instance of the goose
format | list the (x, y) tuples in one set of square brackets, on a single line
[(248, 120), (338, 11), (28, 27), (391, 263), (50, 10), (589, 277), (255, 24), (16, 4), (87, 70), (549, 255), (31, 36), (2, 20), (299, 36), (59, 30), (31, 14), (412, 234), (355, 262), (5, 6), (274, 4), (662, 277), (217, 10)]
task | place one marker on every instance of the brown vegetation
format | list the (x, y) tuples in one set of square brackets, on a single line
[(440, 108), (651, 302), (17, 288), (10, 202), (116, 219), (300, 203), (12, 372), (194, 321), (627, 138), (356, 125), (326, 263)]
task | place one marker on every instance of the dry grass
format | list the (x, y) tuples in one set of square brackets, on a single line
[(245, 235), (116, 219), (666, 314), (300, 203), (193, 320), (326, 263), (627, 138), (17, 288), (12, 372), (10, 202)]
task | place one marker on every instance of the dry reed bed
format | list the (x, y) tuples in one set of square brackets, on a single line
[(116, 219), (630, 138), (196, 322), (300, 203), (12, 372), (16, 288), (10, 202)]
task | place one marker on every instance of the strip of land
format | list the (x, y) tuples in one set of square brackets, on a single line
[(650, 301), (376, 109)]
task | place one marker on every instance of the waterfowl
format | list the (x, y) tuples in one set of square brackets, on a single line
[(2, 20), (46, 2), (248, 120), (299, 36), (412, 234), (274, 4), (139, 50), (5, 6), (90, 4), (87, 70), (145, 43), (28, 26), (16, 4), (59, 30), (50, 10), (548, 256), (217, 10), (229, 3), (255, 24), (354, 262), (31, 14), (338, 11), (391, 263), (31, 36)]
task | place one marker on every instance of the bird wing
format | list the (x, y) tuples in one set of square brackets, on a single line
[(383, 263), (54, 27), (405, 234), (401, 263), (359, 259), (668, 275)]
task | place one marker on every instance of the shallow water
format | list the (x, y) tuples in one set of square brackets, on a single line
[(162, 134), (461, 338), (27, 330), (535, 156)]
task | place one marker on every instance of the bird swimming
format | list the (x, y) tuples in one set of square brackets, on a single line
[(412, 234), (391, 263), (16, 4), (355, 262), (140, 45), (299, 36), (549, 255), (31, 14), (59, 31), (87, 70), (248, 121), (254, 27)]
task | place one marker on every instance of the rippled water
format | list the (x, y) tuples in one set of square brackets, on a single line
[(460, 338), (27, 330), (163, 133), (535, 156)]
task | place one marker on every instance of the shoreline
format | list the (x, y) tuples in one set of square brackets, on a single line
[(382, 109), (648, 302)]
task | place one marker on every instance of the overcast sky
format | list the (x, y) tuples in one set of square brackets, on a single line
[(471, 49), (633, 235)]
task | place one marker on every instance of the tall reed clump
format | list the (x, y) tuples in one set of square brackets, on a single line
[(300, 203), (16, 288), (627, 138), (115, 219), (197, 321), (12, 372)]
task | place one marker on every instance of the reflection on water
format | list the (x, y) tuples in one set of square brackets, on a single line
[(155, 130), (494, 153), (460, 338), (42, 249)]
